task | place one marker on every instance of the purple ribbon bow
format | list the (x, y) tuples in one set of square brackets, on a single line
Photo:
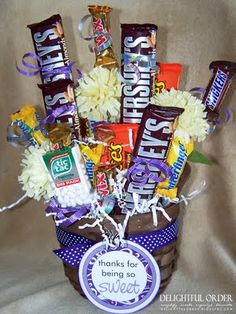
[(47, 71), (60, 214), (75, 246), (57, 113), (140, 173), (198, 92)]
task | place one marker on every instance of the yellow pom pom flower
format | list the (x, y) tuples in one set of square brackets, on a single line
[(34, 176), (192, 122), (98, 95)]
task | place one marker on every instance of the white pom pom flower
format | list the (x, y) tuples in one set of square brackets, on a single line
[(192, 122), (98, 95), (34, 176)]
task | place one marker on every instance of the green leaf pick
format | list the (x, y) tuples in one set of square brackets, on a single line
[(198, 157)]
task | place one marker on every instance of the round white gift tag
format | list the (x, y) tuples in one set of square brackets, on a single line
[(124, 279)]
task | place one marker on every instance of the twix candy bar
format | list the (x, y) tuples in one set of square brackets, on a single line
[(102, 176), (105, 55)]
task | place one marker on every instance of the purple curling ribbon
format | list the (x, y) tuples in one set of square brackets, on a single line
[(60, 214), (63, 110), (47, 71), (140, 173), (197, 92), (75, 246), (28, 65), (79, 74), (220, 122)]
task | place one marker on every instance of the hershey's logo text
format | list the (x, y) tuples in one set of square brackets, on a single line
[(52, 100), (136, 96), (51, 55), (150, 148)]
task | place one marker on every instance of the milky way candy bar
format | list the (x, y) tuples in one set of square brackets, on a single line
[(56, 95), (138, 51), (223, 73), (50, 46), (153, 140)]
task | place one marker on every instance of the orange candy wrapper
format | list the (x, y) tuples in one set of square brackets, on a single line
[(118, 142), (168, 76)]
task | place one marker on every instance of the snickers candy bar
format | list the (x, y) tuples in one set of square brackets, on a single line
[(138, 52), (50, 46), (153, 140), (56, 95), (105, 55), (223, 73)]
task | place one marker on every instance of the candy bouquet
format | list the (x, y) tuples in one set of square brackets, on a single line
[(110, 156)]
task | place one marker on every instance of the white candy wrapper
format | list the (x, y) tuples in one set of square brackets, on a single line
[(67, 170)]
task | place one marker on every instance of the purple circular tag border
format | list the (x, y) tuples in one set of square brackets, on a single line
[(144, 298)]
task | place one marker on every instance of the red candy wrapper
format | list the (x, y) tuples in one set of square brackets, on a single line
[(119, 140), (50, 46), (168, 76)]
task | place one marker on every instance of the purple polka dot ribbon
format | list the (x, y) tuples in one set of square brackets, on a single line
[(76, 245)]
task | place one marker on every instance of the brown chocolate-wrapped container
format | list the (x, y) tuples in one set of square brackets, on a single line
[(138, 224), (138, 52)]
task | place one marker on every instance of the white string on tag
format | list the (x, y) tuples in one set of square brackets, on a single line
[(13, 204)]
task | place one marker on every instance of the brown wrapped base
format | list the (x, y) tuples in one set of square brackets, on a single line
[(165, 256)]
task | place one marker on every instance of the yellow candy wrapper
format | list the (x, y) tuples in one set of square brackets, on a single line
[(27, 119), (93, 154), (176, 159)]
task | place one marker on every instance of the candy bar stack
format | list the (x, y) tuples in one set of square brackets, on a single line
[(110, 156)]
